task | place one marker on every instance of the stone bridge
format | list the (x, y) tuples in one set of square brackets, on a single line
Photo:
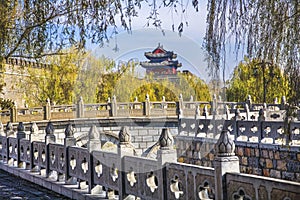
[(224, 153)]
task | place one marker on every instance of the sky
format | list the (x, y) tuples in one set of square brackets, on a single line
[(188, 46)]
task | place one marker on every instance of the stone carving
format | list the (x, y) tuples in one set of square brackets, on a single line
[(151, 182), (34, 129), (165, 139), (84, 165), (98, 169), (205, 192), (49, 129), (124, 136), (131, 177), (225, 145), (114, 173), (69, 131), (240, 195), (94, 133), (175, 187), (21, 127)]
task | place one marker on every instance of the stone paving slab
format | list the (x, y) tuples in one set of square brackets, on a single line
[(13, 187), (17, 183)]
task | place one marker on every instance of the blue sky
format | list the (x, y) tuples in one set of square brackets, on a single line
[(188, 46)]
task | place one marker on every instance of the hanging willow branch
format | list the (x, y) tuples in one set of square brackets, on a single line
[(267, 30)]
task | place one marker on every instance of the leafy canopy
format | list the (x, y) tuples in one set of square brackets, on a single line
[(255, 78)]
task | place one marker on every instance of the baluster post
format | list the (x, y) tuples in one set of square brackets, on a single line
[(225, 161), (94, 144), (125, 148), (80, 108), (68, 142), (20, 135), (47, 110), (165, 154), (14, 113), (49, 139)]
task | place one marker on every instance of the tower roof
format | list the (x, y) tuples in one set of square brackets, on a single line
[(160, 53)]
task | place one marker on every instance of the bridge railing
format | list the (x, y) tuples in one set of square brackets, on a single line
[(271, 132), (215, 109), (159, 178)]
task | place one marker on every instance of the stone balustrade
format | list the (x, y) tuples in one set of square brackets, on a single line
[(93, 172), (215, 109)]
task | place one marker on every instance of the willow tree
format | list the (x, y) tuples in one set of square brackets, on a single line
[(264, 82), (56, 81), (266, 30)]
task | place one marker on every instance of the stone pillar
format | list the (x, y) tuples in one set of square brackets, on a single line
[(68, 141), (283, 103), (20, 135), (113, 107), (13, 113), (214, 105), (205, 112), (227, 112), (47, 110), (69, 136), (225, 161), (180, 107), (80, 108), (247, 112), (147, 106), (165, 154), (50, 137), (197, 112), (34, 130), (249, 102), (125, 148), (21, 131), (9, 130), (33, 136), (94, 144), (261, 115)]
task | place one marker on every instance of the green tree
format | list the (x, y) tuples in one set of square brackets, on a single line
[(126, 86), (55, 81), (255, 78)]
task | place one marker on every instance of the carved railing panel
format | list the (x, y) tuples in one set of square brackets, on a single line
[(141, 177), (57, 158), (189, 182), (78, 163), (106, 169), (256, 187), (39, 154), (25, 151)]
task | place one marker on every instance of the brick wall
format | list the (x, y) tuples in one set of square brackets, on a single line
[(268, 160)]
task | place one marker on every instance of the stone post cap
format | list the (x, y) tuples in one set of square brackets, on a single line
[(9, 127), (34, 128), (124, 136), (225, 145), (49, 129), (21, 127), (165, 139), (69, 131), (94, 133)]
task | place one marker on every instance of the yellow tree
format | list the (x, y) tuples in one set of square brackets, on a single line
[(54, 81), (263, 81)]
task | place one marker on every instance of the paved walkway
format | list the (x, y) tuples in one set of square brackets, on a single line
[(12, 187)]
